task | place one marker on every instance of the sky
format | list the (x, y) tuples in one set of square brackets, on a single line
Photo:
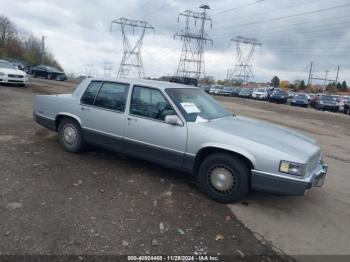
[(292, 33)]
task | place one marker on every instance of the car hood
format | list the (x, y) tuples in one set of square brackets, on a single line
[(271, 135), (12, 71)]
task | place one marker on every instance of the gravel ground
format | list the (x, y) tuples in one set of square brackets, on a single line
[(99, 202)]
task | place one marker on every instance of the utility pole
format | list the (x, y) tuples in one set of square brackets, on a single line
[(42, 49), (131, 64), (309, 81), (325, 78), (336, 79), (245, 49), (191, 62)]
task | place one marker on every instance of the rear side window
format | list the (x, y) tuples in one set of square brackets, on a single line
[(88, 97), (112, 96)]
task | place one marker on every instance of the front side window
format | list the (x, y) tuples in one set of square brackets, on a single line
[(88, 97), (112, 96), (150, 103), (195, 105)]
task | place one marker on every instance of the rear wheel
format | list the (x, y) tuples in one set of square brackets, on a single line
[(224, 178), (70, 135)]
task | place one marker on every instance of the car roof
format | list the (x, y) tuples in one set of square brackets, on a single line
[(143, 82)]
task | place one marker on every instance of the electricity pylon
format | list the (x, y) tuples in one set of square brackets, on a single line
[(245, 49), (131, 64), (191, 62)]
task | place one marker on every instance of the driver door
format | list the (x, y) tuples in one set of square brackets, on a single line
[(147, 135)]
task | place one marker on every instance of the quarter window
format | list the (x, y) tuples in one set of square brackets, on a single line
[(112, 96), (150, 103), (88, 97)]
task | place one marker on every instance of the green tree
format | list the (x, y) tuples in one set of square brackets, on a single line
[(344, 87), (339, 86), (293, 87), (275, 82), (302, 85)]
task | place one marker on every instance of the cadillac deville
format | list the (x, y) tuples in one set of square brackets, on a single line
[(184, 128)]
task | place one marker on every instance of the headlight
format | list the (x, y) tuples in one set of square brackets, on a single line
[(321, 103), (292, 168), (2, 74)]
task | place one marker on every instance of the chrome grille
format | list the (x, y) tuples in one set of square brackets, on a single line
[(16, 76)]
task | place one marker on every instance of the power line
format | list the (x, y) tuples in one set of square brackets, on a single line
[(271, 11), (290, 16), (156, 11), (238, 7), (281, 29)]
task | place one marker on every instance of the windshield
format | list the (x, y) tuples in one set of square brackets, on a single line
[(245, 91), (260, 90), (328, 98), (53, 68), (4, 64), (301, 96), (195, 105)]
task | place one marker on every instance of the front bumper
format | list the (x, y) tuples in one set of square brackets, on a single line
[(13, 80), (329, 107), (288, 185)]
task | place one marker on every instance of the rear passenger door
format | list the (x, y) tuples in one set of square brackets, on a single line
[(146, 133), (102, 109)]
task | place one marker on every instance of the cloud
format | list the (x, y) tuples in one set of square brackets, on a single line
[(78, 33)]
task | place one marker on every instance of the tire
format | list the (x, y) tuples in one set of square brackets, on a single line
[(34, 75), (70, 135), (219, 167), (49, 77)]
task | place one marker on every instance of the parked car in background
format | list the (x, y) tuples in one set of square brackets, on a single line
[(205, 88), (300, 100), (215, 90), (141, 118), (19, 66), (245, 93), (235, 90), (260, 94), (327, 102), (48, 72), (9, 74), (226, 91), (342, 100), (278, 96), (347, 106), (313, 100)]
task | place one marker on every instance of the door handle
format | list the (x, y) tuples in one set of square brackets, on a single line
[(84, 108), (131, 119)]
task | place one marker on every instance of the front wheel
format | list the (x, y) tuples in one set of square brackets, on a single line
[(224, 178), (70, 135)]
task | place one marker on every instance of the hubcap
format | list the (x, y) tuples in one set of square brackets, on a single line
[(222, 179), (69, 135)]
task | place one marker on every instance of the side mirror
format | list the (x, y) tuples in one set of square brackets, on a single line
[(173, 120)]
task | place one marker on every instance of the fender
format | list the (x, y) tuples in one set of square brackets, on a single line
[(231, 148), (70, 115)]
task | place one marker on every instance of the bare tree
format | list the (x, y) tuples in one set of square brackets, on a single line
[(8, 31)]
